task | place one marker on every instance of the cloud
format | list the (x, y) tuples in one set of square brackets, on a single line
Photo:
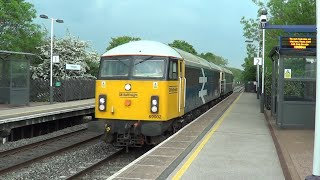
[(208, 25)]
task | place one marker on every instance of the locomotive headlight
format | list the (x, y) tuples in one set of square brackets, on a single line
[(154, 104), (102, 107), (127, 87), (154, 109), (102, 102)]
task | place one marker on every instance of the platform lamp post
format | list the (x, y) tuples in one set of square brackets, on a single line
[(258, 68), (263, 22), (51, 49)]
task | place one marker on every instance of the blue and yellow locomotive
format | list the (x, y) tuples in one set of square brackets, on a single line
[(147, 89)]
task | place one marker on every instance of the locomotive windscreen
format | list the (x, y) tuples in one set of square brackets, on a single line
[(115, 67), (132, 67)]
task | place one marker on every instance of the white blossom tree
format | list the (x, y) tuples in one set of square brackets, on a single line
[(71, 50)]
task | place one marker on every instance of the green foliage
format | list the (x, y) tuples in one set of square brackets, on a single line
[(293, 88), (292, 12), (249, 73), (268, 83), (117, 41), (71, 50), (237, 73), (93, 64), (17, 31), (218, 60), (183, 45)]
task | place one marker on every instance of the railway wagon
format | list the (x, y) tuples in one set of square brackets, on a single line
[(146, 90)]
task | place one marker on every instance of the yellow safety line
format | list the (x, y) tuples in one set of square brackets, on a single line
[(186, 165)]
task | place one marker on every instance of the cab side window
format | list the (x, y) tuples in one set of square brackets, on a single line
[(173, 70)]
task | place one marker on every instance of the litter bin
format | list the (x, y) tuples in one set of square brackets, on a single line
[(250, 87)]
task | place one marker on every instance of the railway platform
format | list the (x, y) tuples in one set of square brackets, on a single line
[(232, 140), (239, 146), (15, 117)]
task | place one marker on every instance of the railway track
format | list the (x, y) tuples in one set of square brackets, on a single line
[(238, 89), (106, 167), (16, 158), (97, 164)]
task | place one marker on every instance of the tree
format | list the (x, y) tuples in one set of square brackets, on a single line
[(237, 73), (183, 45), (218, 60), (291, 12), (71, 50), (121, 40), (93, 63), (17, 31), (249, 72)]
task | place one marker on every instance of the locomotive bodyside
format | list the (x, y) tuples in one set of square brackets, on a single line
[(228, 80), (202, 81)]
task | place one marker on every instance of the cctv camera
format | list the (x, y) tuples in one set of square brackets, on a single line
[(263, 18)]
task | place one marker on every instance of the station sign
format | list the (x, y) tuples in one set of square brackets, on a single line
[(257, 61), (55, 59), (298, 42), (73, 67)]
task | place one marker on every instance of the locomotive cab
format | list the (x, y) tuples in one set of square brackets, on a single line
[(138, 95)]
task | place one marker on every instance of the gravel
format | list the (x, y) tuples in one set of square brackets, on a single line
[(114, 166), (62, 166), (22, 142)]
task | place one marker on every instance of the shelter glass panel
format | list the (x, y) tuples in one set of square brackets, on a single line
[(300, 67), (19, 74), (4, 73), (299, 78)]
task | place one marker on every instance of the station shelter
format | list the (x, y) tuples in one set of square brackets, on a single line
[(15, 77), (293, 91)]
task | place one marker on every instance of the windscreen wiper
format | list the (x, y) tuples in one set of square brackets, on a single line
[(120, 60), (143, 60)]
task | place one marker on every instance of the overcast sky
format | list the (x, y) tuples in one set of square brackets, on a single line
[(208, 25)]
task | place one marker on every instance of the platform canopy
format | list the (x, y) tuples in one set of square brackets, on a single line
[(15, 77), (293, 93)]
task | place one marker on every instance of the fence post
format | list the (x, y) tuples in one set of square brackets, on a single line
[(65, 90), (80, 89)]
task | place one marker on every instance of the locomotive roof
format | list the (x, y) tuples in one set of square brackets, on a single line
[(190, 58), (143, 47), (153, 48), (227, 70), (215, 66)]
